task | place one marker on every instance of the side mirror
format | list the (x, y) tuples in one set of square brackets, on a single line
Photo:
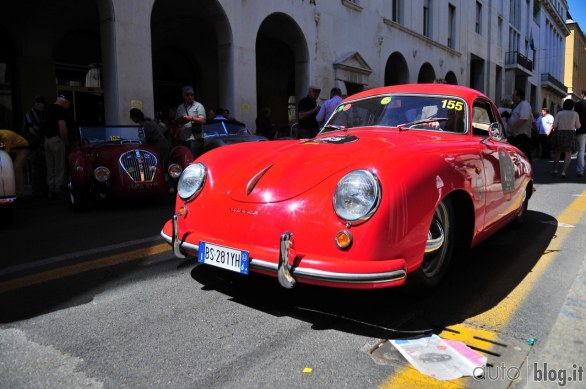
[(495, 131)]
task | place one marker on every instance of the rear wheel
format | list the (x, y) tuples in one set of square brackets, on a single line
[(439, 248), (522, 213)]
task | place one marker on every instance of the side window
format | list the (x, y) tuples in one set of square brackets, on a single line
[(482, 117)]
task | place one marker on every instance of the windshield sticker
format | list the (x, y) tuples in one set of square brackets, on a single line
[(340, 108), (452, 104), (115, 138), (333, 140), (346, 107), (385, 100)]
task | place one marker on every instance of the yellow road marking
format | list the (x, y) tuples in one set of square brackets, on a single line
[(499, 316), (66, 271)]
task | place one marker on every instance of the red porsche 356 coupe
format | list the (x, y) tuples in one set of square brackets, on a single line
[(398, 181)]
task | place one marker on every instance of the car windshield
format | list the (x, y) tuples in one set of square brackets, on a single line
[(429, 112), (223, 128), (105, 134)]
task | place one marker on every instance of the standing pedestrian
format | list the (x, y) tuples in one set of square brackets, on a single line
[(308, 109), (18, 148), (154, 134), (564, 135), (328, 107), (56, 140), (519, 124), (544, 125), (191, 115), (32, 131), (580, 107)]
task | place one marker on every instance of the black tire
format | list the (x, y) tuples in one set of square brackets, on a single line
[(78, 197), (522, 213), (439, 249)]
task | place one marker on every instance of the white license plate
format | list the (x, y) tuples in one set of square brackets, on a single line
[(224, 257)]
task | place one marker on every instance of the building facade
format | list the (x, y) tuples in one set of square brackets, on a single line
[(574, 73), (112, 55)]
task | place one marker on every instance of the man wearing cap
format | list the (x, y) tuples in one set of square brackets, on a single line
[(33, 133), (56, 139), (308, 109), (190, 116)]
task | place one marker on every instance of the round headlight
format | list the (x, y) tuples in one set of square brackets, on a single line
[(175, 170), (191, 181), (102, 173), (357, 196)]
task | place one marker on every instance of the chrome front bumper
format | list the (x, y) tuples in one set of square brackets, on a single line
[(285, 270)]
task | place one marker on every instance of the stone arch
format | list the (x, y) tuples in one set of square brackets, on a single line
[(191, 45), (426, 73), (282, 65), (451, 78), (396, 70)]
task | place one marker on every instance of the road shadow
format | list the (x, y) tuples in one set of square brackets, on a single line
[(489, 273)]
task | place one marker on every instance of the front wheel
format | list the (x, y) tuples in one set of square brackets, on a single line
[(439, 248), (78, 197)]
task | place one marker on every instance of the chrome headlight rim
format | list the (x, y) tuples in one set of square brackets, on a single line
[(102, 174), (191, 181), (374, 200), (175, 170)]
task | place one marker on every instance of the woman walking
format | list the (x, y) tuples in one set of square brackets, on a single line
[(564, 135)]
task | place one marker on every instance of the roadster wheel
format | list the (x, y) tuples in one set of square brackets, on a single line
[(78, 197), (439, 247)]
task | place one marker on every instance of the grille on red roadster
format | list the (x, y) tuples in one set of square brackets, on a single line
[(140, 165)]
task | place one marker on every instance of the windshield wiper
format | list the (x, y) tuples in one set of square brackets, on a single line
[(407, 125), (338, 128)]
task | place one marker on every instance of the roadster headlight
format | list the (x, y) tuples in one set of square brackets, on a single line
[(357, 196), (191, 181)]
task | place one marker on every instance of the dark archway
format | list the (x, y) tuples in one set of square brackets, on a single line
[(7, 80), (281, 65), (396, 70), (451, 78), (426, 74), (191, 45)]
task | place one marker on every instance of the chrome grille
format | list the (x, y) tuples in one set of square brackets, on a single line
[(140, 165)]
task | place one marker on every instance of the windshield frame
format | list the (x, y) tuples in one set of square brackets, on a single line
[(376, 117)]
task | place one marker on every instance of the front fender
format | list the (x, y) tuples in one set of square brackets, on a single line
[(181, 154), (78, 168)]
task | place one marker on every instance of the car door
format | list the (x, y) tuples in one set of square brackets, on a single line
[(499, 159)]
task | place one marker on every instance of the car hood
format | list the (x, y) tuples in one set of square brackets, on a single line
[(282, 173)]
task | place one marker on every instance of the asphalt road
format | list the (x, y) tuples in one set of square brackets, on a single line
[(92, 300)]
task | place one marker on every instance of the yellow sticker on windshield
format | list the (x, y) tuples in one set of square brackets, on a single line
[(452, 104), (115, 138), (385, 100)]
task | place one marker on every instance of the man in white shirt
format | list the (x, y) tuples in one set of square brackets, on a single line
[(544, 124), (519, 124)]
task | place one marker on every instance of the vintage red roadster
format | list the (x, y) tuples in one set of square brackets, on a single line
[(114, 162), (398, 182)]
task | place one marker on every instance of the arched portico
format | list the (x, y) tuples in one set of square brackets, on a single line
[(396, 70), (282, 68), (426, 73)]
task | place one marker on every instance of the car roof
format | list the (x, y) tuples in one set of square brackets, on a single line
[(429, 88)]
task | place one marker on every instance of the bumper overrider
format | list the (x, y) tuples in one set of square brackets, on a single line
[(288, 274)]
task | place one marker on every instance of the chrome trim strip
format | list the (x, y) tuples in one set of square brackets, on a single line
[(348, 278)]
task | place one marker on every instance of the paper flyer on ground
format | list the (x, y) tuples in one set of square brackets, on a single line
[(439, 358)]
